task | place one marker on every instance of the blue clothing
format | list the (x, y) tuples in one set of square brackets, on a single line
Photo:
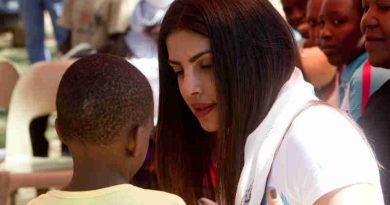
[(346, 76), (378, 77), (351, 79), (32, 16)]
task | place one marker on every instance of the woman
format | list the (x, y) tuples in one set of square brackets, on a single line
[(229, 92)]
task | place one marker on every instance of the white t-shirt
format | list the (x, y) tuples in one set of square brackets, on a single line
[(316, 158), (124, 194)]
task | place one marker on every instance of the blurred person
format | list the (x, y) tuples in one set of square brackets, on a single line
[(314, 64), (295, 15), (94, 22), (343, 43), (32, 12), (375, 121)]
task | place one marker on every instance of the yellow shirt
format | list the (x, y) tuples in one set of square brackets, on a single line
[(124, 194)]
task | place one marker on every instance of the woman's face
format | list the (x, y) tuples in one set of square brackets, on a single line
[(340, 35), (376, 27), (191, 60)]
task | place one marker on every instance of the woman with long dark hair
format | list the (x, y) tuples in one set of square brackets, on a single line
[(236, 116)]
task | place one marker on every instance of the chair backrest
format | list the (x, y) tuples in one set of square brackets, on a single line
[(8, 78), (34, 95)]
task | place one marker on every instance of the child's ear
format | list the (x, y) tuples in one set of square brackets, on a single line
[(135, 140), (59, 132)]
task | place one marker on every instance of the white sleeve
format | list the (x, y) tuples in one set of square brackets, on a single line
[(326, 154)]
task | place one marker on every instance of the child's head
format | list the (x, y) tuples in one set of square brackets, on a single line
[(375, 25), (340, 36), (105, 110)]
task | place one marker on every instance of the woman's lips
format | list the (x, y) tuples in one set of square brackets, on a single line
[(202, 109)]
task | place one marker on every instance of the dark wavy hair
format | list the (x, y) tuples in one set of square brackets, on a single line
[(253, 54)]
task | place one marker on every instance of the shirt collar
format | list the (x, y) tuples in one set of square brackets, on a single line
[(352, 67)]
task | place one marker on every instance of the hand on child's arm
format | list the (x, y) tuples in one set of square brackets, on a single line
[(273, 198), (206, 201)]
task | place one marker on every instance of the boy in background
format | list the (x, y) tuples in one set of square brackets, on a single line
[(105, 116)]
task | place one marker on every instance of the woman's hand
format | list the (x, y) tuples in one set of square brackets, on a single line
[(273, 198), (206, 201)]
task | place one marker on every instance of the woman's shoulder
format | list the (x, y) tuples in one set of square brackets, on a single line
[(323, 132), (324, 150), (323, 123)]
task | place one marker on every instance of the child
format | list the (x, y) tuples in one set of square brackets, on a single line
[(343, 43), (375, 121), (105, 116)]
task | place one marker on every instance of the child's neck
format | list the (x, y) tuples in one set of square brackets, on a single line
[(91, 175)]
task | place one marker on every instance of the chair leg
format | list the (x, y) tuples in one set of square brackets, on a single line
[(4, 187), (13, 198)]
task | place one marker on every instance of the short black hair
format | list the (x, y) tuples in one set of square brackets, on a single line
[(98, 96)]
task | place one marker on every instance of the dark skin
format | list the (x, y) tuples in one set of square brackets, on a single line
[(99, 166), (340, 35), (312, 15), (295, 13)]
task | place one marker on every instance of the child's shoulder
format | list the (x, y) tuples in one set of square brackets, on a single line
[(148, 196), (41, 200), (126, 193)]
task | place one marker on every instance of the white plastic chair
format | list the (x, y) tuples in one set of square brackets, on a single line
[(34, 95), (8, 78)]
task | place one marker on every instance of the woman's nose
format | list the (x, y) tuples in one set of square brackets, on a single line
[(191, 84)]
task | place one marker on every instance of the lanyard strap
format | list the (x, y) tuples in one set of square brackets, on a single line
[(366, 84)]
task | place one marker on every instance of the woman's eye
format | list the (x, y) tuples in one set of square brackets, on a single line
[(177, 70), (207, 66), (178, 73)]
